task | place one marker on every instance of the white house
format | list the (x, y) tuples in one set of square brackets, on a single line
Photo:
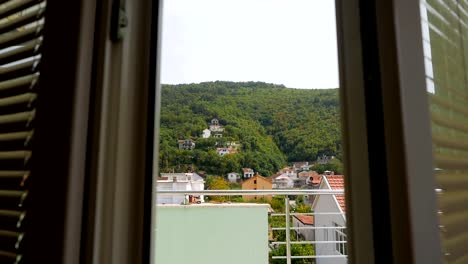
[(331, 204), (206, 133), (225, 151), (283, 182), (304, 221), (187, 144), (289, 172), (182, 182), (301, 166), (233, 177), (248, 173)]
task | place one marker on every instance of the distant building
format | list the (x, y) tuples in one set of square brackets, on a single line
[(215, 128), (180, 182), (186, 144), (247, 173), (283, 182), (233, 144), (331, 204), (301, 166), (233, 177), (304, 221), (257, 182), (324, 159), (289, 172), (225, 151), (206, 133)]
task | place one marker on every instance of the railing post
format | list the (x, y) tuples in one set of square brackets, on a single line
[(288, 233)]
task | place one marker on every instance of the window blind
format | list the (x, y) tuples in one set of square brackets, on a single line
[(21, 24), (445, 36)]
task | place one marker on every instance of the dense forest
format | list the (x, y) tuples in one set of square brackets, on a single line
[(275, 125)]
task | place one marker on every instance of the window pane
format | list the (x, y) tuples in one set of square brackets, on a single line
[(249, 104), (446, 53)]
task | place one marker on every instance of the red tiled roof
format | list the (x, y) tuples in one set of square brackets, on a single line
[(246, 169), (305, 219), (336, 182)]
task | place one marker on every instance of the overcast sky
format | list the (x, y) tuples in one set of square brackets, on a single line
[(290, 42)]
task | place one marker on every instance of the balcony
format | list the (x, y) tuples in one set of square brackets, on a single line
[(249, 232)]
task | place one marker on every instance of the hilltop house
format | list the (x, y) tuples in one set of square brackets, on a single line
[(247, 173), (206, 133), (187, 144), (233, 176), (225, 151), (216, 129), (256, 183), (179, 181), (324, 159), (330, 204)]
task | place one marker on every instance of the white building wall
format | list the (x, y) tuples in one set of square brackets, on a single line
[(327, 204), (309, 234), (172, 186)]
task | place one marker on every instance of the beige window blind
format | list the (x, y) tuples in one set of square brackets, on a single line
[(21, 24), (445, 36)]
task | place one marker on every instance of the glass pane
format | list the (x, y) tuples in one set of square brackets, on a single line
[(445, 31), (250, 134)]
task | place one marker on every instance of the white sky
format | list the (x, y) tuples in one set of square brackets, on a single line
[(290, 42)]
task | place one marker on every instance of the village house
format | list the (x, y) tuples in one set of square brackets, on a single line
[(257, 182), (282, 182), (304, 222), (233, 177), (186, 144), (206, 133), (289, 172), (335, 207), (301, 166), (225, 151), (324, 159), (247, 173), (216, 129), (179, 182)]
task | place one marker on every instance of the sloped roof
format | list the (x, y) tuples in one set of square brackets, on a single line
[(247, 170), (305, 219), (336, 182)]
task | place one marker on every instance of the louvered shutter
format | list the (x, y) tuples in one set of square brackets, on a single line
[(21, 23), (445, 31)]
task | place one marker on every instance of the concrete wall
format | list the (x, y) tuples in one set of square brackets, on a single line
[(212, 234), (327, 204)]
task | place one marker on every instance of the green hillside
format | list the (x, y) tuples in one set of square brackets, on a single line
[(274, 124)]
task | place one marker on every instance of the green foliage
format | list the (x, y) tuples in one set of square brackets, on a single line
[(334, 165), (217, 183), (274, 124)]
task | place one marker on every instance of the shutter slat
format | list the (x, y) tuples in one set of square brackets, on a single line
[(16, 37), (12, 67), (26, 49), (19, 117), (449, 142), (449, 123), (12, 199), (14, 6), (19, 19), (452, 201), (18, 99), (450, 162), (10, 257), (448, 105), (28, 80), (452, 181), (11, 240)]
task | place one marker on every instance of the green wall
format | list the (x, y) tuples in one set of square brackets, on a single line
[(212, 234)]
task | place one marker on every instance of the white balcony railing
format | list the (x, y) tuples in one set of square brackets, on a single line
[(329, 241)]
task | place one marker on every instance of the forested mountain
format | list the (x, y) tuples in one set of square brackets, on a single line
[(274, 124)]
